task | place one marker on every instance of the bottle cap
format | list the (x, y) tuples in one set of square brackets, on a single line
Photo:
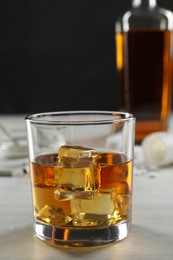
[(157, 148)]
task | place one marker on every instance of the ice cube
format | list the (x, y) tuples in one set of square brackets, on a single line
[(61, 194), (124, 204), (102, 203), (121, 187), (75, 152), (53, 215), (75, 173), (121, 196), (101, 210), (70, 181)]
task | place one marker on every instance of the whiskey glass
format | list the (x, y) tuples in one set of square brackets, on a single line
[(81, 165)]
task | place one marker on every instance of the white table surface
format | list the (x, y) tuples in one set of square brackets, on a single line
[(151, 236)]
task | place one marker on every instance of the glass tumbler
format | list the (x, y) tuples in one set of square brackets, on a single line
[(81, 176)]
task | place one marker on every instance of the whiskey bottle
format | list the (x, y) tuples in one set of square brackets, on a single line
[(144, 54)]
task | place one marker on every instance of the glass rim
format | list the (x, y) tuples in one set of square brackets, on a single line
[(51, 118)]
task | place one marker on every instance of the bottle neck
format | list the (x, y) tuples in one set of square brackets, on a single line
[(144, 3)]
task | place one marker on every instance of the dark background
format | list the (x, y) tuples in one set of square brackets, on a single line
[(59, 54)]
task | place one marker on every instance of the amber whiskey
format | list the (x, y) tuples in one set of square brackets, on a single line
[(81, 187)]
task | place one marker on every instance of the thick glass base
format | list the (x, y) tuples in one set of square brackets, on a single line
[(82, 237)]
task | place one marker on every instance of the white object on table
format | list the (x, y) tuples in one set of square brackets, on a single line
[(13, 145)]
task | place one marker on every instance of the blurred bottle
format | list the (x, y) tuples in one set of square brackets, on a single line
[(144, 64)]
